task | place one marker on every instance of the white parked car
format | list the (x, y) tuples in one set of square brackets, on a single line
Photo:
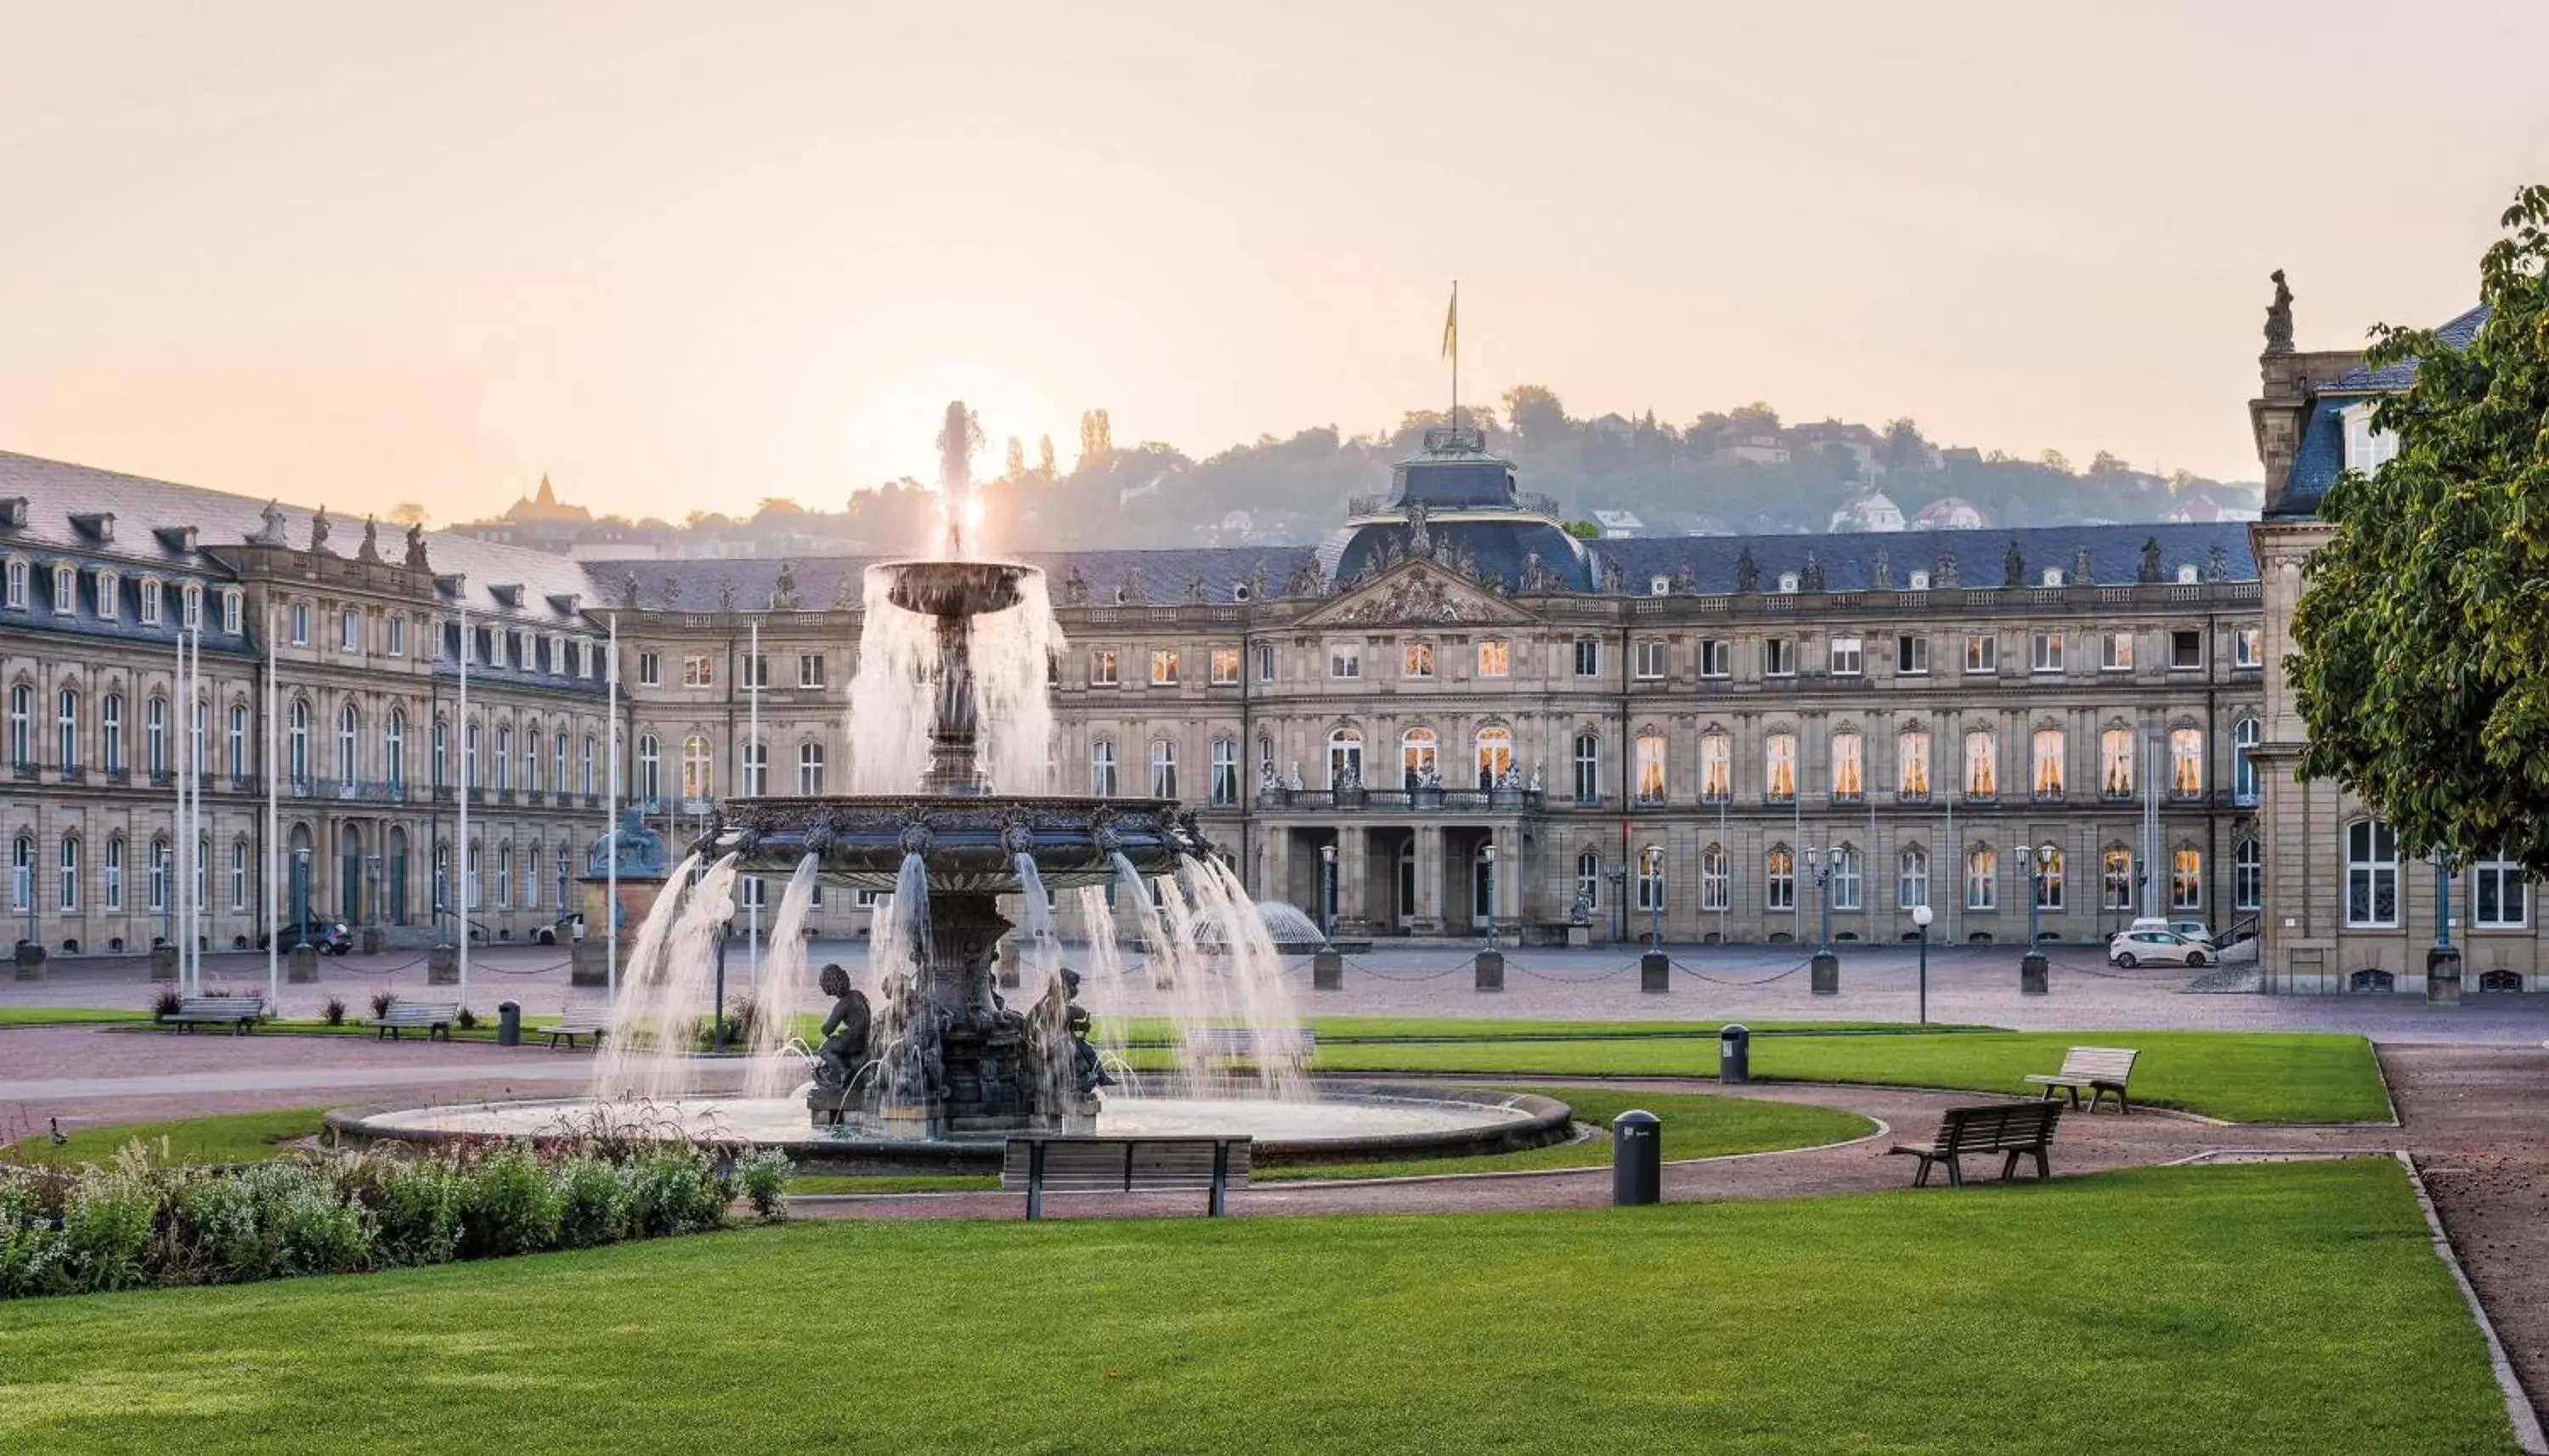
[(2186, 930), (2157, 946)]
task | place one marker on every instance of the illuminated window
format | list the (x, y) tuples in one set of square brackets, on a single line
[(1495, 658), (1651, 769), (2186, 762), (1779, 766), (2048, 763), (2186, 879), (1418, 758), (1716, 767), (1912, 763), (1779, 880), (2116, 762), (1102, 667), (1225, 667), (1496, 748), (1982, 769), (1164, 666), (1982, 878), (1416, 660), (1845, 768)]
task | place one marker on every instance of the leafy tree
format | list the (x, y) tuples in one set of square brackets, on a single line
[(1017, 461), (407, 513), (2422, 662), (1097, 438), (1583, 530), (1536, 414), (1044, 456)]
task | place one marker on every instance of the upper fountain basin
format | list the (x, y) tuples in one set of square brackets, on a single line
[(970, 846), (954, 588)]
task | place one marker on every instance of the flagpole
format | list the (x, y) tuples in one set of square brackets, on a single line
[(1451, 342), (611, 835), (273, 847), (177, 906), (760, 767), (468, 865)]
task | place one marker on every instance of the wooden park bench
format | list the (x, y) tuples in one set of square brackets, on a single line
[(1037, 1166), (430, 1017), (2101, 1069), (2005, 1128), (239, 1013), (571, 1025), (1237, 1041)]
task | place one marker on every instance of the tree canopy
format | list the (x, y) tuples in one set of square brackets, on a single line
[(2422, 636)]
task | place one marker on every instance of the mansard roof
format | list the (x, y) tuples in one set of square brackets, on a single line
[(2318, 456), (1847, 560), (1166, 577), (55, 490)]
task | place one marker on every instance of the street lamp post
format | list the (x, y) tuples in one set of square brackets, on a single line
[(1328, 891), (1619, 904), (1921, 918), (301, 897), (1825, 974), (2442, 962), (1487, 857), (725, 928), (2033, 966)]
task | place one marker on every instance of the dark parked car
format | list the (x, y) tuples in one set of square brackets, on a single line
[(329, 937)]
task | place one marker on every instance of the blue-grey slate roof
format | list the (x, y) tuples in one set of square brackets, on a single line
[(2318, 457), (2392, 378), (1849, 559), (1159, 578)]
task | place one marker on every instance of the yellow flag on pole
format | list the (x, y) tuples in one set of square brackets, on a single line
[(1451, 326)]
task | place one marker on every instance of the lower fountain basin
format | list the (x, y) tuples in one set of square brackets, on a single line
[(1349, 1122)]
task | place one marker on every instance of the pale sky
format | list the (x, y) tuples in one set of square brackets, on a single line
[(684, 255)]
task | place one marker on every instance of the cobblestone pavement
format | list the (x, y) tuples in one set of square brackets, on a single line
[(1973, 984)]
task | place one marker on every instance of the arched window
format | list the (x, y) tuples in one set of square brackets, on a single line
[(1716, 767), (504, 877), (297, 746), (565, 876), (1588, 769), (1982, 878), (239, 759), (2114, 879), (1848, 880), (21, 726), (1847, 779), (1225, 773), (1163, 769), (651, 767), (161, 886), (1911, 878), (557, 762), (1345, 758), (1715, 878), (532, 877), (532, 771), (1780, 878), (505, 761), (1101, 768), (1495, 757), (2248, 876), (698, 768), (239, 874), (2244, 737), (1779, 766), (155, 736), (2049, 880), (753, 767), (472, 880), (347, 727), (1588, 880), (1418, 763), (2048, 763), (1651, 879), (2115, 764), (68, 718), (114, 874), (1651, 769), (1912, 764), (109, 731), (394, 749), (583, 771), (441, 753), (22, 873), (71, 872), (2186, 764), (1982, 766), (810, 768), (471, 778), (2186, 879)]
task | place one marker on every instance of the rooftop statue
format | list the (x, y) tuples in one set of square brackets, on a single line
[(416, 561), (1812, 578), (2151, 567), (2013, 567), (370, 550), (2083, 574), (2279, 318), (782, 597), (271, 533), (1748, 572), (318, 528), (629, 591), (1947, 568)]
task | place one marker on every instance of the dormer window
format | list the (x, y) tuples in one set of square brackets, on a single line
[(2052, 575), (1240, 593), (15, 592), (150, 589), (233, 610), (66, 588), (1788, 581), (110, 598), (1919, 581), (2186, 575), (1659, 585), (2365, 448)]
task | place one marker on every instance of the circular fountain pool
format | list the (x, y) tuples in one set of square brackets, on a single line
[(1345, 1121)]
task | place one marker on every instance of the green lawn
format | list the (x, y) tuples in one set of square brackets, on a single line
[(58, 1016), (230, 1138), (2271, 1308), (1696, 1125), (2241, 1076)]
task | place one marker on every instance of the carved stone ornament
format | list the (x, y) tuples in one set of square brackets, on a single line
[(370, 550), (1418, 596)]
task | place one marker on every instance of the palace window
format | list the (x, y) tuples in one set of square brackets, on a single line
[(1911, 878), (1588, 769), (17, 585), (1778, 658), (1225, 667), (754, 669), (2048, 763), (350, 630), (299, 613), (1982, 769), (1651, 769), (114, 874), (150, 599), (2185, 649), (1651, 879), (699, 670), (1715, 878), (1846, 766), (2114, 652), (68, 715), (2248, 648), (22, 873), (2114, 879), (71, 872), (394, 749), (1495, 658), (1419, 756), (2116, 762), (110, 596), (1982, 878), (1345, 659), (1910, 656), (1847, 881), (1416, 660), (2049, 880), (2045, 651), (812, 670), (650, 763), (233, 610), (809, 770), (650, 669), (2244, 737), (2186, 879), (2186, 764), (1716, 658), (1588, 656), (2248, 876), (1225, 772), (2495, 894), (698, 767), (1496, 748), (1164, 666), (1847, 657), (1779, 879), (1651, 660), (1716, 767), (66, 588), (1912, 764), (1101, 768), (1163, 769), (296, 738), (752, 761), (2371, 873), (1265, 663), (1104, 668), (1982, 653), (348, 757), (1345, 758), (109, 731), (1779, 766), (1588, 878)]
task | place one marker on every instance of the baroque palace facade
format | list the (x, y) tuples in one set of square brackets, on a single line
[(1448, 711)]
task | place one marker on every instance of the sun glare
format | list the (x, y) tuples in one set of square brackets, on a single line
[(891, 432)]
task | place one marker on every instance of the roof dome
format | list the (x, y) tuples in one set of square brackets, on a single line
[(1456, 504)]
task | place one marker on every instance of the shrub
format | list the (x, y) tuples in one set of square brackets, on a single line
[(167, 1003), (382, 1001), (508, 1205), (334, 1013), (313, 1231), (763, 1174), (597, 1202), (417, 1206), (212, 1233), (467, 1020), (108, 1220), (676, 1190), (35, 1257)]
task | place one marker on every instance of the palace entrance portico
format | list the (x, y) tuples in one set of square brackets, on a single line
[(1404, 872)]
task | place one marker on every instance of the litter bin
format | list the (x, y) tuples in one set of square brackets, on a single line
[(1735, 1056), (1654, 971), (2033, 974), (509, 1023), (1491, 971), (1637, 1158)]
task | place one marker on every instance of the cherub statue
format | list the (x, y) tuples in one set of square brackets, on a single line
[(845, 1032)]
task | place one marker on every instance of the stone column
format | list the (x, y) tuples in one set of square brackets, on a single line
[(1429, 880), (1353, 869)]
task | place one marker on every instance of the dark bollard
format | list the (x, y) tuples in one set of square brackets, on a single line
[(2032, 973), (1637, 1158), (1327, 971), (164, 962), (301, 965), (443, 965), (1654, 971), (1825, 973), (509, 1024), (1491, 971), (1733, 1055), (2443, 977)]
